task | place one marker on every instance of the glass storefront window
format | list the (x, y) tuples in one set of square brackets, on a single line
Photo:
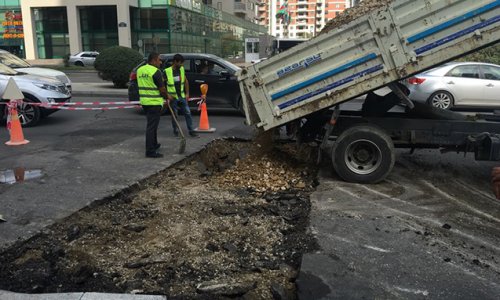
[(207, 30), (52, 36), (98, 27), (11, 30)]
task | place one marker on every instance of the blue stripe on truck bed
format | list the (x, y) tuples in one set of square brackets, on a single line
[(331, 86), (454, 21), (323, 76), (456, 35)]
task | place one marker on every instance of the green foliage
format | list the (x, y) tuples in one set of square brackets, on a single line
[(487, 55), (116, 63), (66, 60)]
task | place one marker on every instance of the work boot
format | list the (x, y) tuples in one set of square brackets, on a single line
[(193, 134)]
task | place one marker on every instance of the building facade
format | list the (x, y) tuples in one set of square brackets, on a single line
[(307, 17), (245, 9), (45, 29)]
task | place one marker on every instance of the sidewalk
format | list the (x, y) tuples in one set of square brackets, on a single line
[(99, 89)]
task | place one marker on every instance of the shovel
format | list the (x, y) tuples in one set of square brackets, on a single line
[(182, 147)]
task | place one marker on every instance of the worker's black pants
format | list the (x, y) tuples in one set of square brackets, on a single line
[(153, 113)]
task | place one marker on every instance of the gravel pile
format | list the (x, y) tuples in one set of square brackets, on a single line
[(218, 225), (350, 14)]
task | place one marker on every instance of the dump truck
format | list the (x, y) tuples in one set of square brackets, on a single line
[(379, 49)]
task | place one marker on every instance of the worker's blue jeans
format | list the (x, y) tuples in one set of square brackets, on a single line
[(182, 104)]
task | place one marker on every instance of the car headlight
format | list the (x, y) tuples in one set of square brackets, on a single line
[(46, 86)]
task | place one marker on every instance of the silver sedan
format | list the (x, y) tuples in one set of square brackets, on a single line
[(466, 84), (85, 58)]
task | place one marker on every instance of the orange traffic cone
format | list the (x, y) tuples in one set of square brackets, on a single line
[(15, 129), (204, 125)]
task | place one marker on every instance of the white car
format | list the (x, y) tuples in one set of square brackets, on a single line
[(462, 84), (85, 58), (21, 65), (35, 89)]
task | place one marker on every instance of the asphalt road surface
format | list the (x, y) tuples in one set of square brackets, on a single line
[(431, 230)]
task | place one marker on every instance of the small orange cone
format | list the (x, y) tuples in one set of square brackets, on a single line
[(204, 125), (15, 129)]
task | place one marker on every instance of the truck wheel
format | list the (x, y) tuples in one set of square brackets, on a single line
[(441, 99), (363, 154)]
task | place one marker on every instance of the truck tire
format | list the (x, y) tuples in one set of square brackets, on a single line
[(363, 154)]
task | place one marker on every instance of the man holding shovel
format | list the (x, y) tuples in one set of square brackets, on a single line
[(152, 94), (178, 93)]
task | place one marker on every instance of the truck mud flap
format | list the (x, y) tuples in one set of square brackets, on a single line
[(486, 146)]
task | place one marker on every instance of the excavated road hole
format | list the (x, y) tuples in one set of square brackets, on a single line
[(229, 221)]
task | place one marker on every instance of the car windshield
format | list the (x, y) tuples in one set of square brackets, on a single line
[(231, 66), (13, 61), (5, 70)]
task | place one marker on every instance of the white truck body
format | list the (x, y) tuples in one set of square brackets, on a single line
[(384, 46)]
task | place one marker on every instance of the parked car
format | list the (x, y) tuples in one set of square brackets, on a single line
[(35, 89), (461, 84), (223, 88), (21, 65), (85, 58)]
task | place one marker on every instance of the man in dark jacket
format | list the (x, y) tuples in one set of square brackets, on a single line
[(152, 94)]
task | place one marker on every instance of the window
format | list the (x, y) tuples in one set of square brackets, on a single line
[(208, 67), (187, 65), (491, 72), (219, 5), (468, 71)]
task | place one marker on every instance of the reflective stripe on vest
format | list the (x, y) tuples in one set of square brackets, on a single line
[(148, 91), (171, 84)]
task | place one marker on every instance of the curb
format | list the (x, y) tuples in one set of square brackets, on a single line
[(77, 296), (98, 94)]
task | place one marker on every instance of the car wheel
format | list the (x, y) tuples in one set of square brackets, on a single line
[(363, 154), (29, 115), (79, 64), (441, 99)]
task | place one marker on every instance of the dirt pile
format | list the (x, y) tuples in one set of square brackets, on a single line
[(204, 229), (350, 14)]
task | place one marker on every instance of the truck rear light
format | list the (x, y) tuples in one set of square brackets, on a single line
[(416, 80)]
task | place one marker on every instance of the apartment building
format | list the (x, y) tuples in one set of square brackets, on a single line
[(306, 17), (245, 9)]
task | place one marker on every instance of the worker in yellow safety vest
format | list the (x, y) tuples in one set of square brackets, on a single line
[(152, 94), (178, 92)]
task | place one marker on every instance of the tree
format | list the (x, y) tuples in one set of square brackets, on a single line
[(116, 63), (488, 55)]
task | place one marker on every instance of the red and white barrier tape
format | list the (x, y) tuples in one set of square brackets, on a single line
[(88, 103), (60, 105), (91, 108)]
